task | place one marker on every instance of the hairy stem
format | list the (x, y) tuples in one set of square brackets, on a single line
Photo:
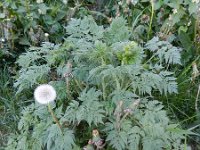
[(104, 89), (117, 83)]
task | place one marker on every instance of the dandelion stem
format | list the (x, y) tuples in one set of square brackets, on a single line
[(54, 117)]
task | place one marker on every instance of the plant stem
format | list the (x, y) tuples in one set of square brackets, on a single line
[(104, 89), (195, 31), (150, 25), (78, 84), (67, 87), (196, 101), (136, 19), (54, 117), (103, 82), (117, 83), (99, 14), (186, 70), (149, 59), (27, 7)]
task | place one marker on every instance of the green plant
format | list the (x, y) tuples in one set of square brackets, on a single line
[(103, 81), (148, 129), (34, 19)]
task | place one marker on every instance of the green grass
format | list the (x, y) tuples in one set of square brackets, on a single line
[(8, 106)]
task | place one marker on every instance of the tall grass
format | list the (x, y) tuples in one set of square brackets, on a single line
[(8, 106)]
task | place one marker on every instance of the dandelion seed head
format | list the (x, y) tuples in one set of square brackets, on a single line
[(44, 94)]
